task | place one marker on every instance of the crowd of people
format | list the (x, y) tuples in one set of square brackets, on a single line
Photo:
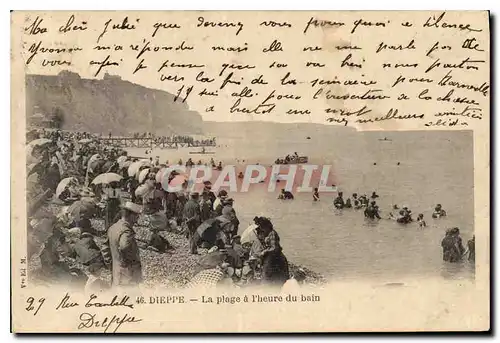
[(189, 140), (82, 181), (453, 250)]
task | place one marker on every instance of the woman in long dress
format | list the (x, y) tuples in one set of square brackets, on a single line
[(274, 263)]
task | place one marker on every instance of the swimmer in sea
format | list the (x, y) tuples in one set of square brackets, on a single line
[(316, 195), (339, 201), (421, 222), (285, 195), (438, 212)]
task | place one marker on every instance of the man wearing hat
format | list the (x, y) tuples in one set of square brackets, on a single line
[(207, 187), (217, 206), (192, 218), (126, 263)]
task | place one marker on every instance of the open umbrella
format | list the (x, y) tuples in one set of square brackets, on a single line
[(160, 175), (81, 209), (177, 180), (249, 235), (85, 141), (121, 159), (106, 178), (143, 174), (135, 166), (65, 182), (144, 189), (37, 142), (124, 164)]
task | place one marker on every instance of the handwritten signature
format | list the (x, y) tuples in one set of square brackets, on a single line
[(109, 324)]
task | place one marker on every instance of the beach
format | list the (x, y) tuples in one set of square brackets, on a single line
[(434, 167)]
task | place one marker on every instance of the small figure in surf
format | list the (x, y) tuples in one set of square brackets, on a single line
[(356, 202), (316, 195), (339, 201), (471, 245), (372, 211), (285, 195), (421, 222), (404, 216), (438, 212)]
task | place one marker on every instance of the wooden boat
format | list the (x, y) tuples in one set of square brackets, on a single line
[(297, 160)]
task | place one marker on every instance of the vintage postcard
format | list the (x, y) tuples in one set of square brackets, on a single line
[(207, 171)]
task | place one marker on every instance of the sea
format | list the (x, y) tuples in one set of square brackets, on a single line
[(416, 169)]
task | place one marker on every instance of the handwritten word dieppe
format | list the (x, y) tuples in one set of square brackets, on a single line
[(90, 320)]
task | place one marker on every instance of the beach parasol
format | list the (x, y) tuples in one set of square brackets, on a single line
[(124, 164), (65, 182), (142, 190), (85, 141), (106, 178), (249, 235), (135, 166), (121, 159), (142, 175), (37, 142), (177, 180), (81, 209), (160, 174)]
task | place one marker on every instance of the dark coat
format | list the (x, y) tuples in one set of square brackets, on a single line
[(126, 262), (192, 214)]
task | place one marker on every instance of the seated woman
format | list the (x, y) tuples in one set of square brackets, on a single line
[(86, 250), (438, 212), (274, 263)]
